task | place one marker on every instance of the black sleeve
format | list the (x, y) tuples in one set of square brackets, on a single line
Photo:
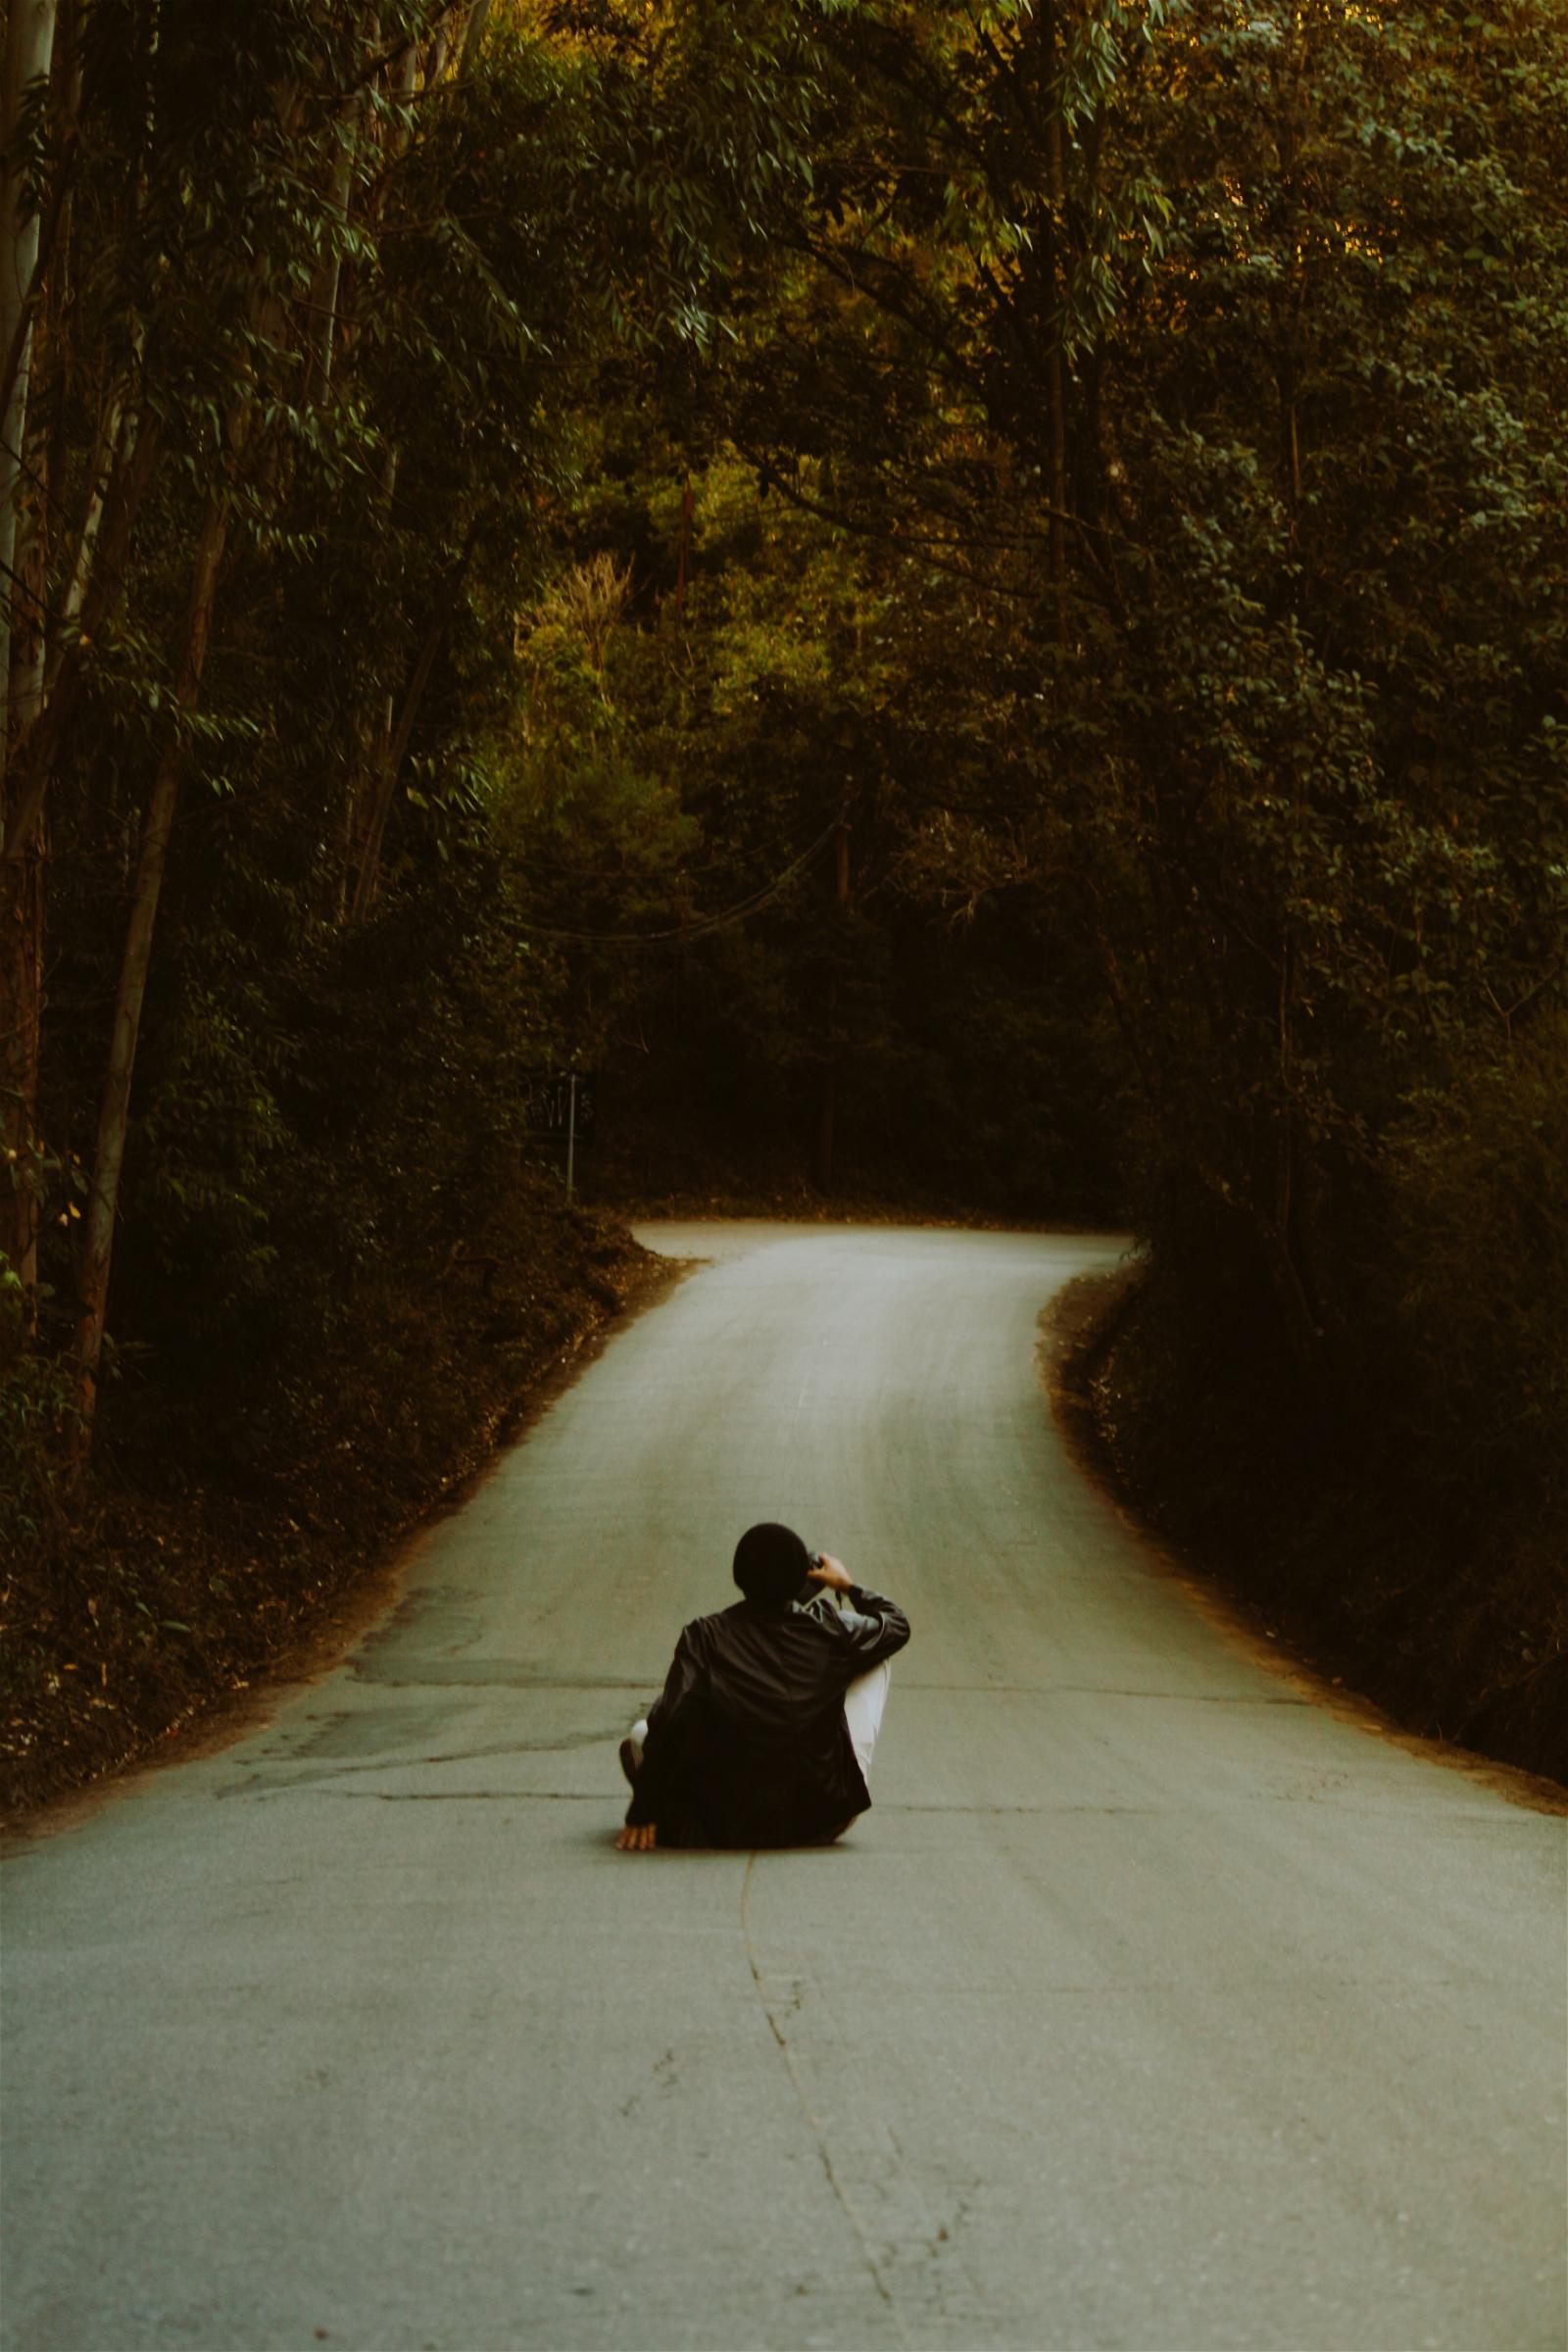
[(668, 1721), (878, 1630)]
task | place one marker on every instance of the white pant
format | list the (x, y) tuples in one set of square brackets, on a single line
[(864, 1702)]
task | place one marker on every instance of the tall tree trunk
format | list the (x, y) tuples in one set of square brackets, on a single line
[(383, 783), (367, 751), (28, 52), (106, 455), (474, 36), (109, 1158), (21, 908), (327, 285), (29, 39), (33, 764), (30, 580), (683, 552), (21, 892), (1056, 310)]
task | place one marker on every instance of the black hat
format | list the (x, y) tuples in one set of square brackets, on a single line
[(770, 1564)]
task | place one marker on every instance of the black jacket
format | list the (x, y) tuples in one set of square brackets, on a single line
[(748, 1745)]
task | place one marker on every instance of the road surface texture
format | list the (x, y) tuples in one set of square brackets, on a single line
[(1155, 2004)]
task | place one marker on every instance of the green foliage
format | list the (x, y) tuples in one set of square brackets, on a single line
[(394, 1149), (1476, 1274), (1106, 455), (1187, 384), (670, 754), (36, 1407)]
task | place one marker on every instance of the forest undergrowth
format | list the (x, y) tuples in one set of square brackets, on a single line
[(224, 1525), (1446, 1609)]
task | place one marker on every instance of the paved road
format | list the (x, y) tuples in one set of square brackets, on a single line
[(1153, 2006)]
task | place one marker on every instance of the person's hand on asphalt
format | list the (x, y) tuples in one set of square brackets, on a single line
[(831, 1572), (639, 1840)]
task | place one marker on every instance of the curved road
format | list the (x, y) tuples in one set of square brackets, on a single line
[(1153, 2005)]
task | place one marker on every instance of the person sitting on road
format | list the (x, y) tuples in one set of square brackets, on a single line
[(770, 1711)]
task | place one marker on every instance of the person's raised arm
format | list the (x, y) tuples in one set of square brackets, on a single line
[(826, 1570), (875, 1627)]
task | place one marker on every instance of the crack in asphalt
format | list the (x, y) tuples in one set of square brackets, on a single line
[(1174, 1698), (507, 1674), (497, 1674), (275, 1784), (813, 2123)]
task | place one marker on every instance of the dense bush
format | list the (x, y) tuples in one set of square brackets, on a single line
[(1476, 1280)]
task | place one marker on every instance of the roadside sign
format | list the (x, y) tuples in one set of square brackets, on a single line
[(565, 1106), (551, 1105)]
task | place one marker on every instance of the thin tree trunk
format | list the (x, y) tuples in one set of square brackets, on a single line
[(474, 36), (28, 53), (106, 455), (21, 912), (368, 751), (30, 581), (109, 1158), (684, 555), (327, 285), (35, 763), (1302, 1331), (22, 893), (385, 785), (1056, 316), (827, 1119)]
